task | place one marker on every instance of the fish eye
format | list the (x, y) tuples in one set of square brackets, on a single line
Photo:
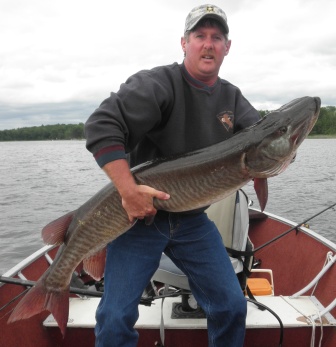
[(282, 130)]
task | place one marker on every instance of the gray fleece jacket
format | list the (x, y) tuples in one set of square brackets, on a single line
[(165, 112)]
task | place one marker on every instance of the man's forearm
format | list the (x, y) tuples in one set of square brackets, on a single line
[(120, 174)]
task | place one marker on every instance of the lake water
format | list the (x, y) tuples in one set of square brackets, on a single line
[(41, 181)]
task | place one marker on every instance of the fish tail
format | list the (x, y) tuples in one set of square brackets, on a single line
[(40, 299)]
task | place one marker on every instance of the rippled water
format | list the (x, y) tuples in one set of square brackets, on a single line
[(40, 181)]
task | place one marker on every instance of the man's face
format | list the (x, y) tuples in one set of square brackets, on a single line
[(204, 53)]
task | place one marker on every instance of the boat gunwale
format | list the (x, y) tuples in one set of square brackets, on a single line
[(310, 232), (27, 261)]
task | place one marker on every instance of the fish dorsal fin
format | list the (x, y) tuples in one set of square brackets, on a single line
[(95, 264), (54, 232), (261, 189)]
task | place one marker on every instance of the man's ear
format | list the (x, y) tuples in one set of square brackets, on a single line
[(183, 44), (228, 46)]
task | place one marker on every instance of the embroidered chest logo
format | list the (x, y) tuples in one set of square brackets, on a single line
[(226, 119)]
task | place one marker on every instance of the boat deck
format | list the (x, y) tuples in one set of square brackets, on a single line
[(292, 312), (299, 261)]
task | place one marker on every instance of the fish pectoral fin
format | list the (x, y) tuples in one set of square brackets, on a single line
[(95, 264), (54, 232), (261, 189)]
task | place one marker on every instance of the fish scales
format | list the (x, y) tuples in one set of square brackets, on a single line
[(197, 187), (80, 244)]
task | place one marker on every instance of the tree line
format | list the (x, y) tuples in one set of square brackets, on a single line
[(44, 132), (325, 125)]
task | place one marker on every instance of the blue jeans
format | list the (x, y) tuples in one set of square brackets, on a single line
[(195, 246)]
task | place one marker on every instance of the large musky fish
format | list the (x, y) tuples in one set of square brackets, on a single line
[(193, 180)]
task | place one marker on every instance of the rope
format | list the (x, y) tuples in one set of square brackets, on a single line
[(311, 321)]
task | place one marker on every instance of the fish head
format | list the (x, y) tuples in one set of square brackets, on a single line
[(278, 136)]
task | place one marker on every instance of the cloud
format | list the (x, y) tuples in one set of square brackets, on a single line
[(65, 57)]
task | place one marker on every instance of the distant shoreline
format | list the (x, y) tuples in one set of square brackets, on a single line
[(310, 137), (321, 136)]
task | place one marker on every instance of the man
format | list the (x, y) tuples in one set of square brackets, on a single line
[(162, 112)]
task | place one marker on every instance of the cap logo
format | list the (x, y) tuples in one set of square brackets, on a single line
[(210, 9)]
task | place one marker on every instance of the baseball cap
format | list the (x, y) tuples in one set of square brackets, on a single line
[(203, 11)]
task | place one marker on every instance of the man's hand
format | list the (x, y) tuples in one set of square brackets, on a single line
[(137, 200)]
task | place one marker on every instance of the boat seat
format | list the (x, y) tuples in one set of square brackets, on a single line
[(231, 217)]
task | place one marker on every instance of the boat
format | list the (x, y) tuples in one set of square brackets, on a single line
[(290, 286)]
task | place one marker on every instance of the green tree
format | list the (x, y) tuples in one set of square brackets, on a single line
[(325, 125)]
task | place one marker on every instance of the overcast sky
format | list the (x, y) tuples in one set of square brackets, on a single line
[(60, 58)]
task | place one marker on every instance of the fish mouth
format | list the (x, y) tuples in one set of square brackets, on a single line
[(302, 131), (305, 123), (294, 138), (298, 136), (318, 105)]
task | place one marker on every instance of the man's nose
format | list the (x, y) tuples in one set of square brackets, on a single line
[(208, 43)]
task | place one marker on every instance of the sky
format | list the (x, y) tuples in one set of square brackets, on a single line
[(60, 59)]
